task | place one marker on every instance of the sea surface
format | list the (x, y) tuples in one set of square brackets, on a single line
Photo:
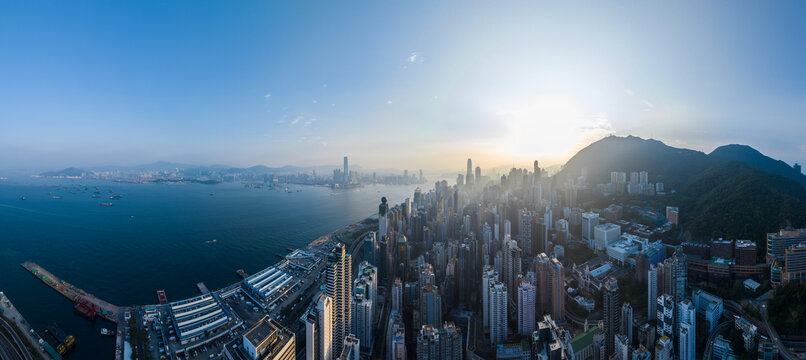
[(155, 237)]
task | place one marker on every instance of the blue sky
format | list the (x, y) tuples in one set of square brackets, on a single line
[(393, 83)]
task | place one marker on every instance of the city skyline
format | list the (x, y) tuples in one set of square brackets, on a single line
[(269, 84)]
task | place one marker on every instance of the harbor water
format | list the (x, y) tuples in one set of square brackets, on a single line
[(155, 236)]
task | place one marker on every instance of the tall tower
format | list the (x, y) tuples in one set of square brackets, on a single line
[(383, 220), (469, 177), (652, 291), (339, 288), (626, 321), (478, 174), (319, 327), (610, 300), (346, 171)]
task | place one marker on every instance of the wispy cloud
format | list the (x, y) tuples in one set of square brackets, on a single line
[(267, 96), (323, 143), (415, 57), (629, 92), (311, 121), (802, 148), (295, 121), (388, 102)]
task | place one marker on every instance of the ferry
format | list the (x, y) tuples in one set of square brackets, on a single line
[(107, 332)]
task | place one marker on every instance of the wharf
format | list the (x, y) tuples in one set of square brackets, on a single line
[(202, 287), (106, 310)]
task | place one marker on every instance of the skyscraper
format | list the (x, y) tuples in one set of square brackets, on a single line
[(469, 176), (626, 321), (652, 291), (319, 330), (346, 172), (526, 308), (383, 220), (439, 344), (478, 174), (397, 295), (498, 313), (665, 316), (396, 337), (610, 303), (339, 288), (488, 277), (430, 305), (686, 337)]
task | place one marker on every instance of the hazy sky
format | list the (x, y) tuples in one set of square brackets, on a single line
[(401, 84)]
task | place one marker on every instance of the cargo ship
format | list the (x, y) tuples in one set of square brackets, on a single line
[(85, 308), (53, 342), (67, 340)]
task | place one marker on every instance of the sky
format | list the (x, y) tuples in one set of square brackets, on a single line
[(393, 84)]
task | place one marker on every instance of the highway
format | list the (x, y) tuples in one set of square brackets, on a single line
[(709, 345), (12, 349)]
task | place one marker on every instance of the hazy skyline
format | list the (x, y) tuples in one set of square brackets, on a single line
[(393, 84)]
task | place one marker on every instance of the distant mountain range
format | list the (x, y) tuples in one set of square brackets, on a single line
[(734, 192), (164, 166)]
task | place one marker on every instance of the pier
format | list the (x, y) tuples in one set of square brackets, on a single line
[(202, 287), (102, 308)]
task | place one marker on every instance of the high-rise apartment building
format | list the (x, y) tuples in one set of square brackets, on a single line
[(319, 329), (589, 222), (339, 288), (488, 277), (439, 344), (610, 303), (498, 313), (626, 321), (665, 316), (652, 292), (526, 308)]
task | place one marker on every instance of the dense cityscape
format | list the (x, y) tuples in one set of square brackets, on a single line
[(403, 180), (525, 266)]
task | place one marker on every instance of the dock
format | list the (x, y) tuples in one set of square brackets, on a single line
[(202, 287), (242, 273), (102, 308)]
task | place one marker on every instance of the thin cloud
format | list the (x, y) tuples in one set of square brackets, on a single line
[(295, 121), (388, 102), (416, 58), (311, 121), (267, 96)]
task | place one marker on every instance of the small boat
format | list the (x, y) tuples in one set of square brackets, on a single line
[(113, 197), (55, 197), (105, 204), (107, 332), (96, 196), (22, 197)]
